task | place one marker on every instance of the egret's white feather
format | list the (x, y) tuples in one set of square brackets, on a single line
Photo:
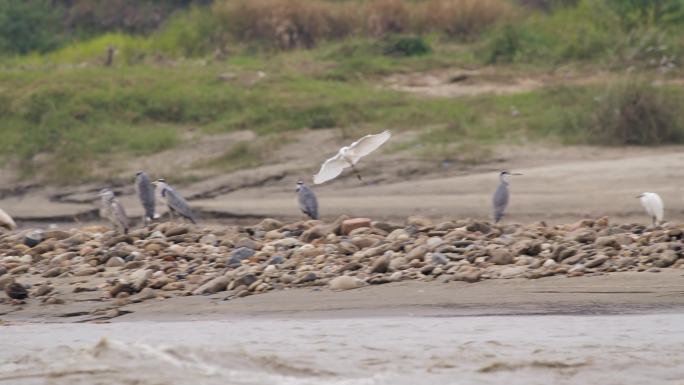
[(349, 156), (7, 221), (366, 145), (331, 169), (653, 205)]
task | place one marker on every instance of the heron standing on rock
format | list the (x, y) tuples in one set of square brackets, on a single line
[(113, 210), (501, 195), (653, 205), (307, 200), (145, 191), (174, 201)]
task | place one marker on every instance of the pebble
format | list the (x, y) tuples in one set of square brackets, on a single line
[(238, 255), (115, 262), (213, 286), (344, 282), (501, 256), (351, 224), (381, 265), (439, 259)]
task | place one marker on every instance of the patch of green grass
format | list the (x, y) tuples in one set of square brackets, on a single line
[(634, 114), (593, 31)]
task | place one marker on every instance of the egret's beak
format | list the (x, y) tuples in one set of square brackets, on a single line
[(517, 173), (639, 196)]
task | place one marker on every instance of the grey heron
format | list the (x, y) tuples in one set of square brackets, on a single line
[(501, 195), (174, 201), (113, 210), (145, 191), (307, 200), (348, 156), (653, 205)]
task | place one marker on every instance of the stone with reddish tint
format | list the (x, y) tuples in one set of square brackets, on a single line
[(355, 223)]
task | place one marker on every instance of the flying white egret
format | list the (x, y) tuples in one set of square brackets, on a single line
[(174, 201), (653, 205), (307, 200), (501, 195), (113, 210), (349, 156), (6, 221)]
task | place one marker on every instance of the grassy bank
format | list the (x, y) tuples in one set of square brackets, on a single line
[(81, 115), (273, 66)]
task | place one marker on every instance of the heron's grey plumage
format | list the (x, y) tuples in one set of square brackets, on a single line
[(145, 191), (501, 196), (174, 201), (307, 200), (500, 201), (114, 211)]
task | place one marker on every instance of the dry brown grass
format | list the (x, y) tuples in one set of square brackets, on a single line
[(289, 24), (286, 24), (463, 18), (383, 17)]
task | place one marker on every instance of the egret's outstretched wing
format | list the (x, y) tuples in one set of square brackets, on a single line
[(330, 169), (6, 221), (366, 145), (178, 204)]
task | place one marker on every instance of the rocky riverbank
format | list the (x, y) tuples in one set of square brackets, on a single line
[(168, 260)]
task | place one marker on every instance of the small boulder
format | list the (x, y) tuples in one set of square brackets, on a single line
[(418, 221), (33, 238), (381, 265), (214, 286), (16, 291), (344, 282), (350, 224), (238, 255), (501, 256), (115, 262)]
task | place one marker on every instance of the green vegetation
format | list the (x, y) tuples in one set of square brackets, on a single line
[(274, 66)]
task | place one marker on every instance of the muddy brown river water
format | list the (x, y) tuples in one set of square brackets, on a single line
[(515, 349)]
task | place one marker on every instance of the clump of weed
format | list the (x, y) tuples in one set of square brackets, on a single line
[(406, 46), (636, 113)]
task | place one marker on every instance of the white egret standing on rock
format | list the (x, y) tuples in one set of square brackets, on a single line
[(145, 191), (6, 221), (174, 201), (113, 210), (349, 156), (501, 195), (307, 200), (653, 205)]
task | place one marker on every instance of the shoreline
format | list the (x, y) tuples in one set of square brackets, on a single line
[(610, 294)]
